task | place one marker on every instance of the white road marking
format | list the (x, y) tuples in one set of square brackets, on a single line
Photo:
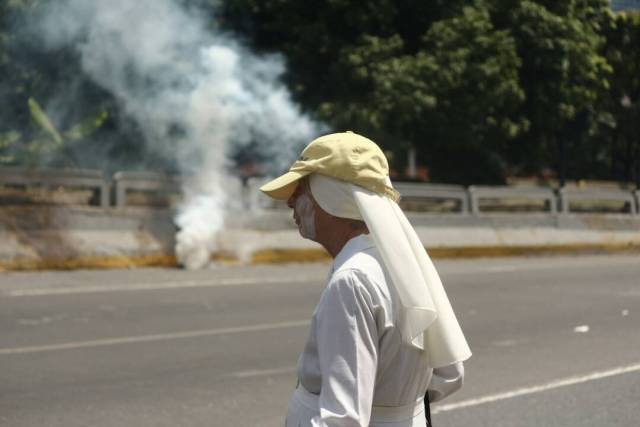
[(153, 337), (550, 264), (263, 372), (536, 389), (154, 286)]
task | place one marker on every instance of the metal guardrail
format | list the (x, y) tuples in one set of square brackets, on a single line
[(477, 193), (75, 178), (142, 181), (571, 194), (412, 190), (468, 199)]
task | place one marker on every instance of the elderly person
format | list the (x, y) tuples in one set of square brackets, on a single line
[(383, 333)]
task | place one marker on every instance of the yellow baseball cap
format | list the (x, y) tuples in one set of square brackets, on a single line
[(346, 156)]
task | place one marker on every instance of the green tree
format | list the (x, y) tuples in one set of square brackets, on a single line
[(316, 36), (563, 74), (457, 97), (73, 122), (623, 53), (481, 89), (432, 75)]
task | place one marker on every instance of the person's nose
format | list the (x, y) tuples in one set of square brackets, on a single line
[(291, 201)]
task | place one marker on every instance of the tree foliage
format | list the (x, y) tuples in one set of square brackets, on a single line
[(623, 99), (563, 74), (483, 90), (433, 75), (52, 113)]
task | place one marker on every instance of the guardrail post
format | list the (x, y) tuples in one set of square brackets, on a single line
[(464, 203), (637, 196), (105, 191), (121, 195), (564, 201), (474, 201), (553, 205)]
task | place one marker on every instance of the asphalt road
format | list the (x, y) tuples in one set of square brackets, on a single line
[(556, 342)]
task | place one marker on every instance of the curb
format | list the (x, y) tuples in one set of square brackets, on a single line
[(283, 256), (278, 256)]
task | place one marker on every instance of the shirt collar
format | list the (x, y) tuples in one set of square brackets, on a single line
[(354, 245)]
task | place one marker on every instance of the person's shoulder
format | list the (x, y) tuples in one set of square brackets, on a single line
[(365, 262), (363, 269)]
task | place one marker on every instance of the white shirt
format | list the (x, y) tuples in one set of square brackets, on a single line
[(354, 357)]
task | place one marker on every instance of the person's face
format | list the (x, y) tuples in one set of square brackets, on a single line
[(304, 210)]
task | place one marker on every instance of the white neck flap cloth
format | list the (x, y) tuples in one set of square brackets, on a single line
[(426, 319)]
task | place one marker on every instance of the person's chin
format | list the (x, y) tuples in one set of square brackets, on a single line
[(304, 236)]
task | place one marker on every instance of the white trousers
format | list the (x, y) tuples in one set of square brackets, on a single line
[(303, 406)]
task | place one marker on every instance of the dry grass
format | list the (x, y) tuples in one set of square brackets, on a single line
[(281, 256), (94, 262)]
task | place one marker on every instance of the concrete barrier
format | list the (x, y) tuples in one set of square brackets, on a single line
[(82, 236), (72, 237), (477, 193), (74, 178), (567, 195)]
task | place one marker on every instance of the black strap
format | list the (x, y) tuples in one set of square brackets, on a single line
[(427, 408)]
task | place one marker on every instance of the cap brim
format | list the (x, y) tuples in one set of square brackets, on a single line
[(283, 186)]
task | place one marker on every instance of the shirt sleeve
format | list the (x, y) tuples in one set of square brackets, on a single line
[(445, 381), (347, 341)]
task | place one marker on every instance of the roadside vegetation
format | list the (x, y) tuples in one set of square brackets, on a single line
[(482, 91)]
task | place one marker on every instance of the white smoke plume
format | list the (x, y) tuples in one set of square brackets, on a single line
[(193, 91)]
